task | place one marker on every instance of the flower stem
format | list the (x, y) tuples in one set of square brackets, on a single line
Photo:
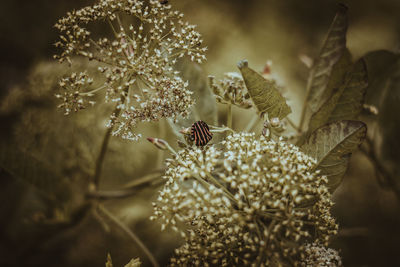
[(104, 145), (100, 158), (303, 115), (252, 123), (229, 118), (129, 189), (294, 126), (305, 103), (216, 129), (131, 234), (160, 153)]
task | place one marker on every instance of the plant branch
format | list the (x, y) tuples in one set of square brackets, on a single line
[(304, 107), (106, 139), (100, 157), (131, 234), (129, 189)]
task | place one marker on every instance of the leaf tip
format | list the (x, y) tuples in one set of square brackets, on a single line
[(243, 64)]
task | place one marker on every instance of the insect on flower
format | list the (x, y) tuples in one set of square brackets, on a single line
[(200, 133)]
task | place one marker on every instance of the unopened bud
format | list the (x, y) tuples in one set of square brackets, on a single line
[(275, 122), (159, 143)]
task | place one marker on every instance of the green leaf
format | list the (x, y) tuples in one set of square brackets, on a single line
[(332, 50), (346, 101), (332, 145), (351, 100), (264, 93), (338, 75)]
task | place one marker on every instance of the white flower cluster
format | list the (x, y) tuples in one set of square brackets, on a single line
[(244, 201), (137, 62)]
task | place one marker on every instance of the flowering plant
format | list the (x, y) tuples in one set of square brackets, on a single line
[(254, 198)]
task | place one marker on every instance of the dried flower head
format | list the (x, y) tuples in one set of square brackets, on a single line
[(136, 63), (246, 200), (319, 255), (231, 90)]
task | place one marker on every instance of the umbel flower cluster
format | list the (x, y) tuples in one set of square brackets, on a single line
[(136, 61), (231, 90), (245, 201)]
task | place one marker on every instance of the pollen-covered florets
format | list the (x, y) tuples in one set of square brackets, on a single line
[(137, 61), (246, 200)]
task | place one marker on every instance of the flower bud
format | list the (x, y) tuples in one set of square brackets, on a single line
[(159, 143)]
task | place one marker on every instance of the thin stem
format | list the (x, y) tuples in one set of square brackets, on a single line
[(160, 153), (303, 114), (215, 129), (144, 180), (304, 108), (131, 234), (101, 221), (104, 145), (294, 126), (223, 188), (171, 149), (252, 123), (94, 90), (132, 189), (101, 156), (229, 118), (112, 28)]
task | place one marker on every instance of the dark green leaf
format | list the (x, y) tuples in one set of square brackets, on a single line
[(338, 75), (264, 93), (332, 50), (346, 101), (351, 100), (332, 145)]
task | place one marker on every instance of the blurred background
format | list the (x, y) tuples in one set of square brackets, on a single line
[(47, 158)]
